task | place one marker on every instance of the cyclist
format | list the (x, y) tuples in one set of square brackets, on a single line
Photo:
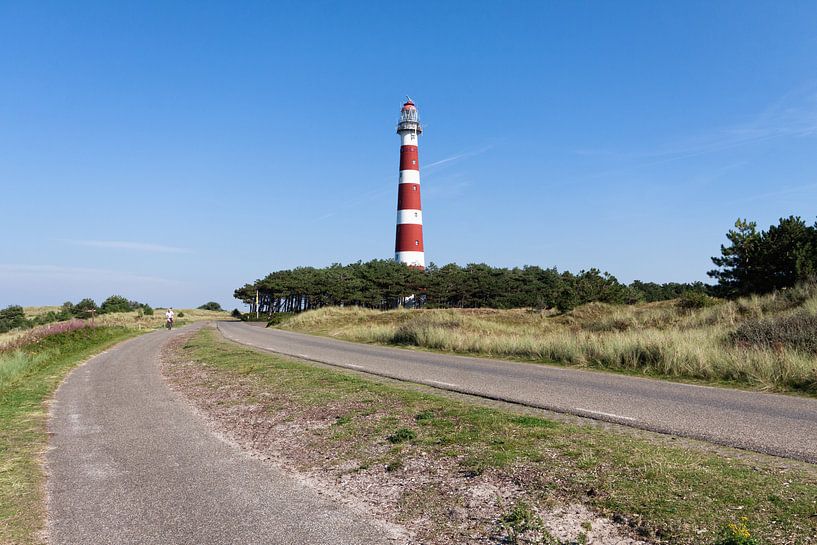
[(169, 317)]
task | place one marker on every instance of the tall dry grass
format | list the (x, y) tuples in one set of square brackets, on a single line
[(658, 339)]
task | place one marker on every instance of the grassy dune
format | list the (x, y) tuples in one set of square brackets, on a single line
[(758, 342)]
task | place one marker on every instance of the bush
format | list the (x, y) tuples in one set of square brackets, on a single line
[(115, 303), (68, 309), (798, 331), (567, 300), (84, 309), (147, 310), (279, 318), (212, 305), (51, 316), (180, 314), (12, 317), (252, 317), (236, 313), (695, 299), (800, 293)]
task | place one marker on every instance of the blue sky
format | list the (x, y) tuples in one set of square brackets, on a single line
[(170, 152)]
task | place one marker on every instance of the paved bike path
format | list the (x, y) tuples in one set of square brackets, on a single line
[(130, 463)]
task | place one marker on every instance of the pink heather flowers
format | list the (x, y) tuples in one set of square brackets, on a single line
[(39, 333)]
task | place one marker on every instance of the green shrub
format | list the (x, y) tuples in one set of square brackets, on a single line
[(695, 299), (797, 331), (12, 317), (180, 314), (253, 317), (147, 310), (211, 305), (567, 300), (278, 318), (115, 303), (51, 316), (236, 313), (84, 309)]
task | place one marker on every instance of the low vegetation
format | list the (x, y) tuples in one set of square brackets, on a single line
[(31, 368), (142, 319), (454, 472), (765, 342), (795, 331), (16, 317)]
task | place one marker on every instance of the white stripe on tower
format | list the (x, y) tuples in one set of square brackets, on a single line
[(409, 176), (410, 257), (410, 216), (408, 246)]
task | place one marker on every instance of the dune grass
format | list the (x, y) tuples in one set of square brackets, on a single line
[(28, 377), (656, 339), (438, 449)]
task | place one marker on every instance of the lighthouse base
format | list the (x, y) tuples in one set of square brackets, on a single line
[(412, 259)]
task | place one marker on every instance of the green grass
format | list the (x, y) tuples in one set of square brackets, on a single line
[(28, 378), (675, 493), (656, 339)]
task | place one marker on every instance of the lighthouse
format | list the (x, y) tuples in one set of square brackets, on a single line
[(408, 246)]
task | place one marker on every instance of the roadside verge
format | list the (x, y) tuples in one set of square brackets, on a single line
[(29, 378), (455, 472)]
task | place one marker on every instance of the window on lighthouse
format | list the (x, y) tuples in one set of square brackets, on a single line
[(416, 242)]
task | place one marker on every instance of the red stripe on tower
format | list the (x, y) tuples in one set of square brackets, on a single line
[(408, 158), (408, 245)]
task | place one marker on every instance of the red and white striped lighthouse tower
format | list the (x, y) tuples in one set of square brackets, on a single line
[(408, 247)]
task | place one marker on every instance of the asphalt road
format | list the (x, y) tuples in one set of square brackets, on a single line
[(130, 463), (773, 424)]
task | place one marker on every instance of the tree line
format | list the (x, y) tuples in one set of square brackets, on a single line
[(754, 262), (384, 284)]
